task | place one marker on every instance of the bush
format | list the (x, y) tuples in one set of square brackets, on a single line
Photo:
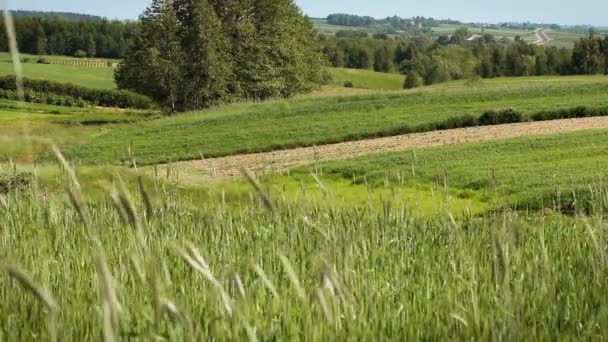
[(25, 60), (16, 182), (43, 60), (80, 54), (501, 117), (348, 84), (413, 80), (39, 90), (570, 113)]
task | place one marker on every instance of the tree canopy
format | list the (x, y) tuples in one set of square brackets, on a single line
[(192, 54)]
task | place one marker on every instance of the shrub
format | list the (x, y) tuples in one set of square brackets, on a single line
[(25, 60), (413, 80), (501, 117), (16, 182), (43, 60), (348, 84), (569, 113), (39, 90), (80, 54)]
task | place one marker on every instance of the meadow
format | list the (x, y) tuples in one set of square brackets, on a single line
[(500, 240), (281, 271), (92, 77), (257, 127)]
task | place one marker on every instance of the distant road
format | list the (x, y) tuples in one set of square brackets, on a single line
[(542, 36)]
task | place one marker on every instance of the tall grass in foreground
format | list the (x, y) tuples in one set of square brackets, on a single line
[(280, 272)]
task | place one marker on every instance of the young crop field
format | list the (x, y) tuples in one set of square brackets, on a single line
[(139, 269), (258, 127)]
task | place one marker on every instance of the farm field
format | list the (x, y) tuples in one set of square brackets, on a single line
[(326, 252), (92, 77), (561, 38), (463, 210), (246, 128), (328, 273)]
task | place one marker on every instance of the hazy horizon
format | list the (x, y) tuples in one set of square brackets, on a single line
[(541, 11)]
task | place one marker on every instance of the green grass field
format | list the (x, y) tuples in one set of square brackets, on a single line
[(525, 173), (501, 240), (296, 273), (366, 79), (278, 124), (102, 78)]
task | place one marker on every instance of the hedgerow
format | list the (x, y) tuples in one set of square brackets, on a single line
[(51, 92)]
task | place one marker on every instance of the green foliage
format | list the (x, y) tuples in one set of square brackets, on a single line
[(570, 113), (500, 117), (453, 59), (195, 54), (348, 84), (40, 91), (14, 182), (80, 54), (413, 80), (70, 35)]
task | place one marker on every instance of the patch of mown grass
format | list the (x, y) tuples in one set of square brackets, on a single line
[(99, 78)]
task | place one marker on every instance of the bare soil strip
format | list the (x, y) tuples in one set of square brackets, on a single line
[(272, 162), (542, 37)]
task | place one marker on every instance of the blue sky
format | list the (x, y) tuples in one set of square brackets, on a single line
[(594, 12)]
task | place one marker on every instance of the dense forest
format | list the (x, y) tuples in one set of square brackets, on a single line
[(55, 34), (425, 61)]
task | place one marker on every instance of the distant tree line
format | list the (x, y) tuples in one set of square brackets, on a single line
[(192, 54), (54, 15), (391, 25), (58, 35), (425, 62), (350, 20)]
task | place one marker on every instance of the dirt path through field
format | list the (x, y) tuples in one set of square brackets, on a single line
[(271, 162), (542, 36)]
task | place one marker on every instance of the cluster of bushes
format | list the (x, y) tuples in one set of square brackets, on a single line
[(45, 98), (50, 92), (488, 118), (17, 182), (570, 113)]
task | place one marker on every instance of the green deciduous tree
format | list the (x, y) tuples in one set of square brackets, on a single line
[(222, 50)]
